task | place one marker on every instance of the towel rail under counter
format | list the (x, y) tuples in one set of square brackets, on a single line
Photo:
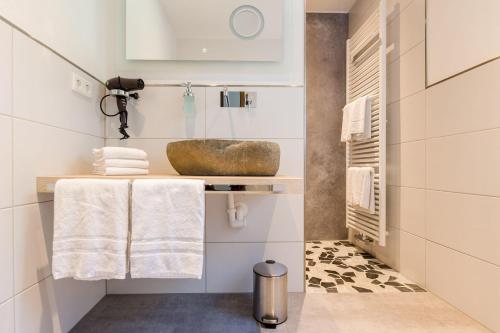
[(213, 184)]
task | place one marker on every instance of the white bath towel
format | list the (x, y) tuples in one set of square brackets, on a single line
[(119, 152), (168, 219), (356, 120), (345, 135), (90, 229), (112, 171), (361, 188), (121, 163)]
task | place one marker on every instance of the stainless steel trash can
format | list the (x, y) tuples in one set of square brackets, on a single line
[(270, 292)]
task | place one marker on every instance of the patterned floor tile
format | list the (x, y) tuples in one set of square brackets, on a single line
[(340, 267)]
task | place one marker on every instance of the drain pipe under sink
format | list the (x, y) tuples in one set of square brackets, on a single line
[(237, 212)]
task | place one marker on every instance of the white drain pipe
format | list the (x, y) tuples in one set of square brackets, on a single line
[(237, 212)]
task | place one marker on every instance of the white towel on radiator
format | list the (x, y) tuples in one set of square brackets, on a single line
[(112, 171), (90, 229), (168, 222), (361, 188), (121, 163), (356, 120), (119, 152)]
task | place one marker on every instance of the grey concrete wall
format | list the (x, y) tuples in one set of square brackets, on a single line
[(326, 36)]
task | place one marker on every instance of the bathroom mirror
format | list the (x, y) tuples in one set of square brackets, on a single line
[(224, 30)]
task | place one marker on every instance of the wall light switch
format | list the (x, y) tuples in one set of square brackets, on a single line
[(81, 86)]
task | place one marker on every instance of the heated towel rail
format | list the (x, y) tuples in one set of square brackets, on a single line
[(366, 76)]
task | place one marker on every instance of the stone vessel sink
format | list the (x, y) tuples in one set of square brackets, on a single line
[(224, 157)]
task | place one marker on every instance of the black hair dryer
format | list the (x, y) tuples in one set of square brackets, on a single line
[(120, 88)]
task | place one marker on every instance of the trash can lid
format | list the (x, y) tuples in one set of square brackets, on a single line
[(270, 268)]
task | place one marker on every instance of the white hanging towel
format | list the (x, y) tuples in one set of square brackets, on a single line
[(346, 125), (112, 171), (168, 222), (356, 120), (90, 229), (119, 152), (361, 188)]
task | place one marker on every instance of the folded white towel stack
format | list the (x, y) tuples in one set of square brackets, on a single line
[(168, 219), (356, 120), (118, 161), (90, 229), (361, 188)]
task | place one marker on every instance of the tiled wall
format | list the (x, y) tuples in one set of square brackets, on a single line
[(45, 129), (443, 182), (78, 29), (326, 35), (275, 224)]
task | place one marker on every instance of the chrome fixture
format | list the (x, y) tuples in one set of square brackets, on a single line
[(363, 238), (238, 99), (189, 104)]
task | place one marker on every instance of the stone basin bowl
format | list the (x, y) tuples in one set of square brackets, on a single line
[(224, 157)]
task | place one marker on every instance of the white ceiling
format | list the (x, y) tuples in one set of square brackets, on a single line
[(329, 6)]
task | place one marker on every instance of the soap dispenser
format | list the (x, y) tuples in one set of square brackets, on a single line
[(189, 106)]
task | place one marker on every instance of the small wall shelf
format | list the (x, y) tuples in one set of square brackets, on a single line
[(213, 184)]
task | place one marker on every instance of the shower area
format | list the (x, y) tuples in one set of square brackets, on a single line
[(337, 260)]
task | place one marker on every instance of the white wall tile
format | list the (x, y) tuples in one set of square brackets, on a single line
[(6, 165), (5, 69), (412, 257), (55, 306), (33, 234), (406, 164), (390, 253), (6, 255), (460, 35), (393, 206), (465, 282), (407, 29), (467, 223), (413, 211), (398, 5), (292, 157), (7, 316), (271, 218), (65, 27), (466, 163), (43, 150), (394, 165), (229, 265), (406, 76), (406, 209), (155, 286), (50, 100), (406, 119), (159, 113), (279, 114), (468, 102)]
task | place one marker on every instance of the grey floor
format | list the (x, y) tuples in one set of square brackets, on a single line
[(171, 313), (307, 313)]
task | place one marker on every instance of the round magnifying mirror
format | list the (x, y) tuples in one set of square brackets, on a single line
[(246, 22)]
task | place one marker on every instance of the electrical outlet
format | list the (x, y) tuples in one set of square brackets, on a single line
[(81, 86)]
